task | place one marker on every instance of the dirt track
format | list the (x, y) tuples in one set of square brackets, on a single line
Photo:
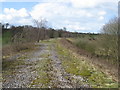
[(23, 75), (41, 68), (100, 63)]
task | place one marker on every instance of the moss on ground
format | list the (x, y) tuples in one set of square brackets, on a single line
[(9, 67), (44, 77), (23, 57), (45, 55), (48, 41)]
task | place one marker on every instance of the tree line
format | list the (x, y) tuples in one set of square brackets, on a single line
[(27, 33)]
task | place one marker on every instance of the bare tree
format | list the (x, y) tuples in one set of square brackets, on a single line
[(109, 39), (41, 25)]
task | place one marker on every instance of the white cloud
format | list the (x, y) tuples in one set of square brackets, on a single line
[(77, 27), (89, 15), (101, 18), (72, 14), (51, 10), (102, 13), (23, 12), (2, 0), (16, 13), (91, 4), (64, 15), (24, 21), (83, 3), (14, 16)]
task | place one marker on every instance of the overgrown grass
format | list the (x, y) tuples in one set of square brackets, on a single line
[(44, 77), (45, 55), (98, 47), (49, 40), (11, 64), (86, 44), (43, 69), (9, 67), (16, 48), (79, 66), (9, 47)]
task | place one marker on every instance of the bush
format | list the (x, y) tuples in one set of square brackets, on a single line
[(86, 45), (81, 44), (20, 47), (109, 39), (10, 49)]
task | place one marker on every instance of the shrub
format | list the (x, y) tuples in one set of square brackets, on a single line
[(13, 48), (86, 45)]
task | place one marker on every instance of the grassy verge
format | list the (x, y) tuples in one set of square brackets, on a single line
[(9, 47), (79, 66), (10, 50), (44, 77), (96, 48), (85, 44), (49, 40), (9, 67)]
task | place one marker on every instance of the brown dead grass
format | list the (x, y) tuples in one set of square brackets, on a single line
[(15, 48)]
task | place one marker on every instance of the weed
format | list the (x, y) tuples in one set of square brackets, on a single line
[(44, 76)]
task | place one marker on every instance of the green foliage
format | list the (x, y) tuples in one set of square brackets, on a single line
[(0, 41), (6, 38), (44, 77), (86, 44), (109, 39), (85, 72)]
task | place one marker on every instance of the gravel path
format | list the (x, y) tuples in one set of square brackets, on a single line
[(58, 72), (63, 79), (26, 73)]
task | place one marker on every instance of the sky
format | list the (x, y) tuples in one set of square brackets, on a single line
[(76, 15)]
